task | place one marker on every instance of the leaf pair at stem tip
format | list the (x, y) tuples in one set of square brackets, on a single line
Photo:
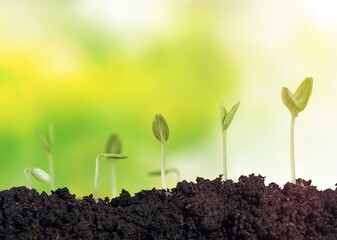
[(297, 102)]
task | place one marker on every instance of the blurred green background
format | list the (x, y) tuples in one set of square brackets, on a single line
[(93, 68)]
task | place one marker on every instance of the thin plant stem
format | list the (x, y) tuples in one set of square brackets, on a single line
[(29, 181), (163, 177), (96, 177), (224, 149), (51, 170), (113, 178), (292, 150)]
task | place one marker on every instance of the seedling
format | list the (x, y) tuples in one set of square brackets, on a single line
[(168, 171), (226, 119), (296, 103), (47, 141), (161, 132), (114, 145), (38, 174), (111, 156)]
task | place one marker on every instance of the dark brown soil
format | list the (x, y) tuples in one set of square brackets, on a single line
[(203, 210)]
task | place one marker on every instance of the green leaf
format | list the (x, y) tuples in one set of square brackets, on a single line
[(114, 144), (114, 156), (160, 128), (298, 101), (228, 117), (303, 92), (290, 101), (40, 175)]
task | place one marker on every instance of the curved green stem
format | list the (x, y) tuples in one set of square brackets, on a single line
[(29, 181)]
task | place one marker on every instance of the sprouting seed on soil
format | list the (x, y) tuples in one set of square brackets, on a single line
[(38, 174), (296, 103), (114, 145), (161, 132), (111, 156), (47, 142), (226, 119)]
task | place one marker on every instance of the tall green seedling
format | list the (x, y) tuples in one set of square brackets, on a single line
[(296, 103), (161, 132), (226, 119), (38, 174), (47, 141)]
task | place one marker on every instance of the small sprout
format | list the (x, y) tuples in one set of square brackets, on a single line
[(226, 119), (296, 103), (38, 174), (161, 132), (171, 170), (47, 141), (111, 156)]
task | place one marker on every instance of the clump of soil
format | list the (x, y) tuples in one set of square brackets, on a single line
[(206, 209)]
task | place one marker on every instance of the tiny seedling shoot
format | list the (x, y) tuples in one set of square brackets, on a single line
[(111, 156), (38, 174), (161, 132), (296, 103), (226, 119), (47, 141), (167, 171), (114, 145)]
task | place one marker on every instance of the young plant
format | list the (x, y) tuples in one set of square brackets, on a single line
[(161, 132), (38, 174), (296, 103), (226, 119), (111, 156), (47, 141), (168, 171), (114, 145)]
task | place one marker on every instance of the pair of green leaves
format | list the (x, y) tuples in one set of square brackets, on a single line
[(227, 117), (298, 101)]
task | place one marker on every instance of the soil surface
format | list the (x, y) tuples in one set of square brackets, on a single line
[(206, 209)]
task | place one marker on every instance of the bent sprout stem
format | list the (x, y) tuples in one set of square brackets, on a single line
[(111, 156)]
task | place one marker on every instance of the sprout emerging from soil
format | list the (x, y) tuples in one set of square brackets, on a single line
[(161, 132), (38, 174), (168, 171), (296, 103), (47, 141), (226, 119), (111, 156), (114, 145)]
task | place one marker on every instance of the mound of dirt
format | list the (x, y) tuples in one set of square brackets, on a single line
[(206, 209)]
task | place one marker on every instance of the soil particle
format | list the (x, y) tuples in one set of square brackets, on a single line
[(206, 209)]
